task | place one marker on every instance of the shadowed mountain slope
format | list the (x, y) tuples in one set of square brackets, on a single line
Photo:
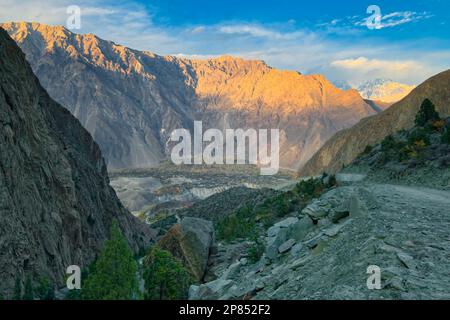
[(56, 205)]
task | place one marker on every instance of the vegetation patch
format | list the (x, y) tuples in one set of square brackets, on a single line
[(249, 221), (165, 276)]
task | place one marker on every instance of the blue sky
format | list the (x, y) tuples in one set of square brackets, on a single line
[(411, 43)]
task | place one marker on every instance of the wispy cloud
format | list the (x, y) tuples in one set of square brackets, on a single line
[(258, 31), (365, 64), (366, 68), (394, 19)]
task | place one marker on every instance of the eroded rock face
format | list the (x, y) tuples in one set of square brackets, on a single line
[(130, 101), (190, 241), (56, 205)]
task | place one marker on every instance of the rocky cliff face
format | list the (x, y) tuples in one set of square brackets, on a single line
[(56, 205), (347, 144), (308, 109), (130, 101)]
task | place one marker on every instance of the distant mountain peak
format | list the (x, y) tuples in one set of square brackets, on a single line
[(385, 90)]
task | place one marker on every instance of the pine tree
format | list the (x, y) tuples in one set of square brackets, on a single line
[(427, 112), (165, 277), (28, 293), (114, 273)]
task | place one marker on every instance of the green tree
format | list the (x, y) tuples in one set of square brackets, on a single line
[(17, 289), (427, 112), (114, 273), (165, 277), (28, 293), (45, 289)]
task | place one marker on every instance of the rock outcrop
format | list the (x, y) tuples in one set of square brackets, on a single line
[(130, 101), (347, 144), (56, 205), (190, 241)]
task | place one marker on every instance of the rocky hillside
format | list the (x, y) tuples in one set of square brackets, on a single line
[(56, 205), (325, 251), (130, 101), (419, 156), (347, 144)]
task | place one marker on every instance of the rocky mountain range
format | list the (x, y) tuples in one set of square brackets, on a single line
[(384, 90), (130, 101), (56, 205), (347, 144)]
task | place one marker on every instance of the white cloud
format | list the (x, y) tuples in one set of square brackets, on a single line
[(394, 19), (364, 64), (362, 68), (257, 31), (335, 49)]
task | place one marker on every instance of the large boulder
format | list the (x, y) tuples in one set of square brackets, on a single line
[(190, 241), (213, 290)]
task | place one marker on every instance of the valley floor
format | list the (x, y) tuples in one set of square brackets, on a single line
[(148, 193)]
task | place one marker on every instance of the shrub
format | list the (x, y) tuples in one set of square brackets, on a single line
[(309, 188), (388, 143), (114, 273), (165, 277), (418, 137), (238, 225), (256, 251), (282, 205), (439, 125), (45, 289), (427, 112)]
